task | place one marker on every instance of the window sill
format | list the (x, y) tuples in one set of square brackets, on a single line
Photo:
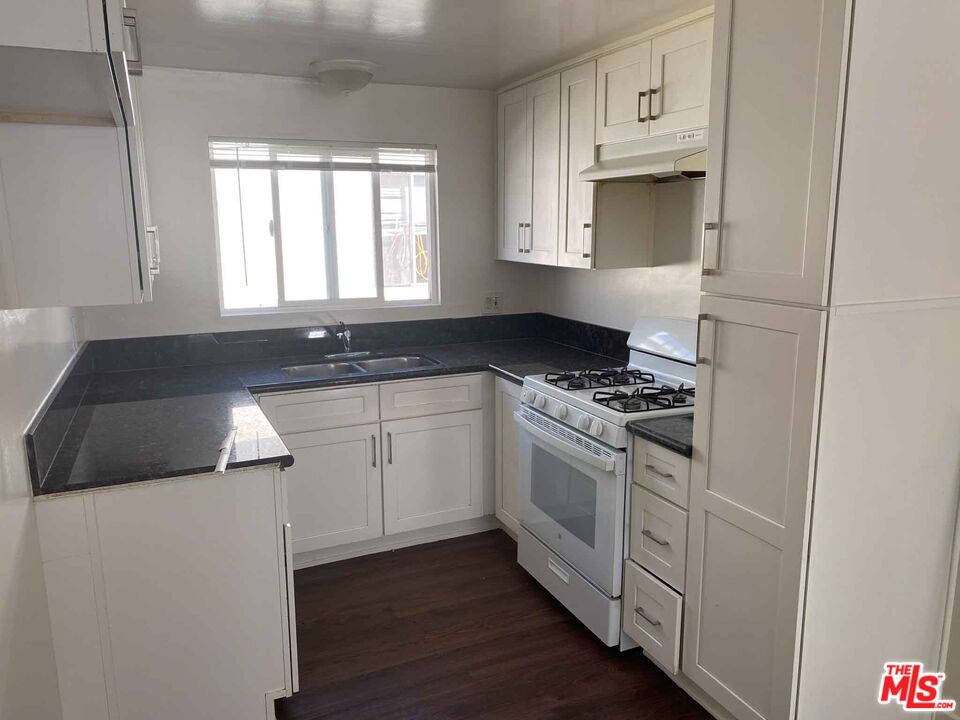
[(314, 309)]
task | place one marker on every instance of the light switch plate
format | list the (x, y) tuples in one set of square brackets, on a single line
[(492, 304)]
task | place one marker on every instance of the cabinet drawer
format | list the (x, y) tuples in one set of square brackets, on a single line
[(651, 615), (321, 409), (416, 398), (664, 472), (658, 536)]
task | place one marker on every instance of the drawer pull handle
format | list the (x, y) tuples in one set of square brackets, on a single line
[(373, 439), (639, 611), (658, 540), (389, 448), (558, 571), (658, 473)]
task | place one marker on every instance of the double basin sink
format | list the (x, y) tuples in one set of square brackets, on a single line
[(357, 364)]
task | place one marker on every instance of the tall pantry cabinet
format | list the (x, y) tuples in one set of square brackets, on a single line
[(809, 481)]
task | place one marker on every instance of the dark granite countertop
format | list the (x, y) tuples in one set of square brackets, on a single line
[(138, 425), (674, 432)]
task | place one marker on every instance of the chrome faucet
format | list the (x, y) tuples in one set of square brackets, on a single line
[(343, 333)]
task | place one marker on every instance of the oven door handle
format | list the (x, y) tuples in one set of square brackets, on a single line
[(559, 444)]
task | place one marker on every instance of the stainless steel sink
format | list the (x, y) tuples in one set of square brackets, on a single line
[(393, 363), (323, 370), (396, 363)]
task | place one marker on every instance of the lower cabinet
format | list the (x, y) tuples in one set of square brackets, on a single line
[(334, 486), (433, 472), (508, 454), (171, 599)]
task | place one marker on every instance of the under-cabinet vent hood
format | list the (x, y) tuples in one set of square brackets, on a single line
[(666, 157)]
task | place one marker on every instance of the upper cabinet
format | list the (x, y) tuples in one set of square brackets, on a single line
[(72, 216), (658, 86), (549, 130), (770, 171)]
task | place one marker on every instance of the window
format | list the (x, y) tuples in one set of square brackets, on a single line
[(306, 225)]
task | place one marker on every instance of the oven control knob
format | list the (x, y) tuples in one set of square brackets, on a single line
[(527, 396), (539, 402), (583, 423), (560, 412), (596, 428)]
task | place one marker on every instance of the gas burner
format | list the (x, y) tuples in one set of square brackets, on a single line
[(644, 398), (572, 380), (619, 376)]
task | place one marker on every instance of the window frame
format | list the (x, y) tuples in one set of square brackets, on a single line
[(329, 231)]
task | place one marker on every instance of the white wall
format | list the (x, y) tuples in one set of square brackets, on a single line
[(615, 298), (35, 346), (182, 108)]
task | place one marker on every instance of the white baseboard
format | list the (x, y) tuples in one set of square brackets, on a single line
[(395, 542)]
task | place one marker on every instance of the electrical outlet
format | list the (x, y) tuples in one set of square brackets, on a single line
[(492, 304)]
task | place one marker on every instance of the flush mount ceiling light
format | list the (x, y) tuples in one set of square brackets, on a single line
[(343, 75)]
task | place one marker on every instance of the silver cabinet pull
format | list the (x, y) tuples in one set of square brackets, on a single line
[(583, 239), (529, 236), (640, 116), (373, 439), (704, 339), (709, 253), (640, 611), (655, 91), (390, 448), (658, 540), (654, 471), (519, 237)]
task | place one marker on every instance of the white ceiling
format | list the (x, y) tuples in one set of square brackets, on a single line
[(453, 43)]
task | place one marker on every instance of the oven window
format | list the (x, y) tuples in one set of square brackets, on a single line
[(565, 494)]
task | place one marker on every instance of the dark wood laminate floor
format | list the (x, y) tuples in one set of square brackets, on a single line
[(456, 629)]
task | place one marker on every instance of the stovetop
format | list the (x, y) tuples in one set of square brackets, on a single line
[(624, 389)]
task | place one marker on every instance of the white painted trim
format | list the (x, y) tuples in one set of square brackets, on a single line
[(612, 47), (395, 542)]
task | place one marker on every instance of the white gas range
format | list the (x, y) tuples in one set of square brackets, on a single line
[(573, 465)]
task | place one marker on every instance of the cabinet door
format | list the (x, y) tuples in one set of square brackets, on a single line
[(680, 78), (770, 172), (543, 133), (66, 239), (508, 454), (578, 122), (433, 472), (513, 164), (623, 101), (757, 389), (334, 487)]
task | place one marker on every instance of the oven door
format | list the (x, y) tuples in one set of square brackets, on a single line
[(572, 491)]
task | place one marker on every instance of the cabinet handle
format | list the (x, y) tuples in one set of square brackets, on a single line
[(655, 91), (390, 448), (373, 439), (656, 472), (583, 239), (658, 540), (529, 237), (640, 611), (704, 340), (640, 116), (709, 254), (519, 237)]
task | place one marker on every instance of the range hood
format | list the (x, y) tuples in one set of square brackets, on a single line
[(657, 159)]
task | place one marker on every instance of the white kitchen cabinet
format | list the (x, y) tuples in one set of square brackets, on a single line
[(623, 94), (578, 97), (507, 454), (171, 599), (680, 78), (513, 177), (543, 145), (529, 172), (433, 472), (757, 397), (334, 486), (72, 230), (770, 172), (655, 87)]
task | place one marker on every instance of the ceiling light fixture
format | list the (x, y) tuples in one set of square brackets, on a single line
[(343, 75)]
